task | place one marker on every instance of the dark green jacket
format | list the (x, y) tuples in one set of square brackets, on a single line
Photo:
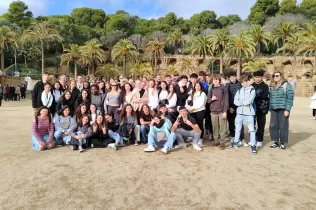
[(280, 98)]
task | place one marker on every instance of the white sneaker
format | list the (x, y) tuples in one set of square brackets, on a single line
[(181, 146), (112, 145), (197, 147), (150, 149), (313, 118), (244, 143), (164, 150), (92, 145), (80, 149), (200, 143), (259, 144)]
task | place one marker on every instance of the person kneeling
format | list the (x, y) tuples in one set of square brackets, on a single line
[(80, 134), (42, 130), (160, 134), (100, 137), (186, 127)]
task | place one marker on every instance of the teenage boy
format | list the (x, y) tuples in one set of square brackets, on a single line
[(244, 100), (186, 127), (262, 105), (182, 91), (218, 100), (193, 81), (233, 86)]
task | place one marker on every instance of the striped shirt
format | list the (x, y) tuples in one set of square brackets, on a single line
[(43, 128)]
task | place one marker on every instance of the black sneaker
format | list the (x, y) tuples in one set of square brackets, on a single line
[(274, 145), (254, 150), (282, 146)]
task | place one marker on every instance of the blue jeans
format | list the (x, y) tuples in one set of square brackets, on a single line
[(249, 119), (143, 132), (59, 138), (36, 144), (115, 136), (152, 140)]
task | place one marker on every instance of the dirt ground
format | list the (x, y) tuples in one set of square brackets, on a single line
[(132, 179)]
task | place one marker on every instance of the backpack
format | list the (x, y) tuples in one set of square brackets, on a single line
[(292, 83)]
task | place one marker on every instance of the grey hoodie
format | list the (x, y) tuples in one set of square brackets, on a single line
[(244, 100)]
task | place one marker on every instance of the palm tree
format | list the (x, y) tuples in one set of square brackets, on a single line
[(42, 33), (260, 36), (107, 70), (92, 55), (252, 66), (310, 29), (7, 36), (241, 45), (291, 47), (187, 66), (142, 69), (202, 46), (175, 40), (282, 32), (155, 49), (220, 40), (72, 54), (308, 47), (168, 70), (125, 50)]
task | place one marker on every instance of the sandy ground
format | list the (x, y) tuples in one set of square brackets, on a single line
[(132, 179)]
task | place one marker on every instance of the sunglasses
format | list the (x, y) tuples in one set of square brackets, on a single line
[(276, 76), (122, 78)]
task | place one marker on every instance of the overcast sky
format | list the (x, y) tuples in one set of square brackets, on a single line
[(141, 8)]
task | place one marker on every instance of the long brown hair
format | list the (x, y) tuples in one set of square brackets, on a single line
[(123, 112), (142, 109), (78, 111), (96, 126), (171, 93), (38, 112), (80, 122), (63, 98)]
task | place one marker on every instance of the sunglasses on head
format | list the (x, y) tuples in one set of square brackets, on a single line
[(176, 75), (276, 76)]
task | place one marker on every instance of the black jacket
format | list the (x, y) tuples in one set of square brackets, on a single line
[(37, 94), (75, 93), (262, 97), (232, 90), (181, 97)]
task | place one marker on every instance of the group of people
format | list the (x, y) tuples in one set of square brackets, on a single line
[(12, 93), (170, 111)]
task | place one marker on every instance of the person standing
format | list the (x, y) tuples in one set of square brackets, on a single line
[(63, 83), (17, 93), (182, 91), (244, 100), (281, 102), (262, 105), (75, 92), (37, 92), (23, 91), (233, 86), (80, 83), (313, 104), (218, 100), (1, 94)]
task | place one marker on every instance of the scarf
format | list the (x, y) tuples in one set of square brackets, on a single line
[(161, 123), (47, 99)]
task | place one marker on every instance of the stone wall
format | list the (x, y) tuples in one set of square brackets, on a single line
[(7, 80)]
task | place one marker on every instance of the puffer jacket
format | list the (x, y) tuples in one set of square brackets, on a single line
[(232, 90), (262, 98), (244, 100), (280, 98)]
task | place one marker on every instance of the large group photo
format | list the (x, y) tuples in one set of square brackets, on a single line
[(113, 111)]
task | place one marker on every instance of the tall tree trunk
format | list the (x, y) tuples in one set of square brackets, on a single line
[(221, 64), (2, 60), (93, 68), (258, 48), (25, 63), (89, 71), (238, 67), (156, 70), (43, 58), (15, 64), (124, 63), (294, 66), (76, 70)]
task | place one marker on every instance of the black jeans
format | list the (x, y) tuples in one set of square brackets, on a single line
[(231, 125), (279, 126), (0, 100), (199, 117), (314, 112), (208, 121), (260, 122)]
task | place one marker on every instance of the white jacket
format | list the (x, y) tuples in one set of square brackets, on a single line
[(199, 101), (172, 101), (313, 102), (153, 100)]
